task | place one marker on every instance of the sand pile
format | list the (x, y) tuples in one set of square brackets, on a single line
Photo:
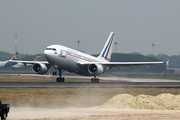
[(164, 101)]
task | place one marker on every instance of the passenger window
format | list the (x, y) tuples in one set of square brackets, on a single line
[(51, 49)]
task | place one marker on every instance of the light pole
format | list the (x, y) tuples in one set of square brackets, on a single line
[(78, 44), (15, 48), (115, 46), (153, 48)]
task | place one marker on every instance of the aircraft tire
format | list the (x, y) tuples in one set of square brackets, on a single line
[(95, 80), (59, 79)]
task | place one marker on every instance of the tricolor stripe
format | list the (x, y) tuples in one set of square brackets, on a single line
[(106, 51)]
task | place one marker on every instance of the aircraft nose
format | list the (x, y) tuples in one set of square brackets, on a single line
[(47, 54)]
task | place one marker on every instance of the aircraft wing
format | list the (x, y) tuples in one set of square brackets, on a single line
[(121, 64), (132, 64), (28, 62)]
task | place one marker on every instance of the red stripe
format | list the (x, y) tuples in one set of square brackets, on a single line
[(109, 48), (79, 57)]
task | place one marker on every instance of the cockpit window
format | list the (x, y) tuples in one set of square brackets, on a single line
[(51, 49)]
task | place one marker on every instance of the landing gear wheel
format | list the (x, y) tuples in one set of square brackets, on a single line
[(54, 73), (59, 79), (4, 115), (95, 80)]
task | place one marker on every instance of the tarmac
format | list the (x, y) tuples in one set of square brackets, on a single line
[(109, 82), (88, 85)]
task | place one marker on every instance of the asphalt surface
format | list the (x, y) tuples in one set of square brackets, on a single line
[(109, 82), (87, 84)]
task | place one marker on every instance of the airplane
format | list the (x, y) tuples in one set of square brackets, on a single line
[(67, 59), (8, 63)]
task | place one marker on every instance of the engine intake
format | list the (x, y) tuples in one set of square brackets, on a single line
[(95, 69), (39, 68)]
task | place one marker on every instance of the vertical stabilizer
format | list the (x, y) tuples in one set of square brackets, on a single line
[(38, 58), (107, 50), (15, 56)]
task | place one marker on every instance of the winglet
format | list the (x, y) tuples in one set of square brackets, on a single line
[(15, 56), (107, 50), (167, 63)]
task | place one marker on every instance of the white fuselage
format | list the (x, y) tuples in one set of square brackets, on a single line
[(67, 59)]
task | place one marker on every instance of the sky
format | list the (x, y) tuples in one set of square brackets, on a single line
[(137, 25)]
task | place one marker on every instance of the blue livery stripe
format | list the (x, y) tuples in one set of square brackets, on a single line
[(107, 46)]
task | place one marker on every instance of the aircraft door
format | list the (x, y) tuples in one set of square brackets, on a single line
[(62, 54)]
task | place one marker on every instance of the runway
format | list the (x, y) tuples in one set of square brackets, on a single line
[(88, 84), (108, 82)]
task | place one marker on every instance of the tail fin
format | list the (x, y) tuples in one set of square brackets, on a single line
[(38, 58), (107, 50), (15, 56)]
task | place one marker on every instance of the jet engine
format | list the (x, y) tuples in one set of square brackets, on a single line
[(39, 68), (95, 69)]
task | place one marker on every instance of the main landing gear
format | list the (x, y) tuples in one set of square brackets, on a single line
[(60, 78), (94, 80)]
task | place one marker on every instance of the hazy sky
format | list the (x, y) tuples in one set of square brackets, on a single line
[(137, 23)]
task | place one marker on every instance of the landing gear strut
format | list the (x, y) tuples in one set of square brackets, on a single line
[(54, 73), (94, 80), (60, 78)]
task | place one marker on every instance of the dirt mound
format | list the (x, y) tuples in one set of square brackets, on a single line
[(164, 101)]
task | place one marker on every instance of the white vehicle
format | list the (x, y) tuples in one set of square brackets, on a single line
[(74, 61)]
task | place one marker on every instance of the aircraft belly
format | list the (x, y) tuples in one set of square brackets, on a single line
[(71, 66), (68, 63)]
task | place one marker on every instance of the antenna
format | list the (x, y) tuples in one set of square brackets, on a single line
[(78, 44), (153, 48), (15, 47)]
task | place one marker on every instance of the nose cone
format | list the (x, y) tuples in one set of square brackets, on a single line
[(47, 54), (50, 53)]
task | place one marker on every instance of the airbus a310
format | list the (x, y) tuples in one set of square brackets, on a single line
[(64, 58)]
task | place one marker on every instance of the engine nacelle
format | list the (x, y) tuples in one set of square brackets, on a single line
[(95, 69), (39, 68)]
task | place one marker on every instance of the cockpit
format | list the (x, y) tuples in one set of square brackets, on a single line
[(51, 49)]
